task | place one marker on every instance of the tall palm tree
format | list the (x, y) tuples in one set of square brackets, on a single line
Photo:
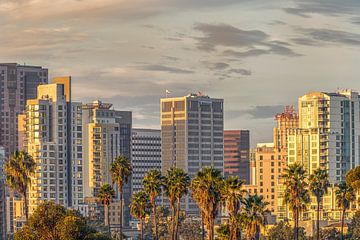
[(105, 196), (345, 194), (296, 193), (139, 209), (121, 170), (18, 170), (254, 214), (205, 189), (232, 194), (176, 184), (319, 183), (153, 182)]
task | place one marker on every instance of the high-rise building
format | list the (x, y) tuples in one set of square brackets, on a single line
[(146, 155), (269, 166), (192, 135), (237, 154), (268, 162), (2, 195), (328, 136), (18, 84), (289, 119), (54, 140), (106, 135)]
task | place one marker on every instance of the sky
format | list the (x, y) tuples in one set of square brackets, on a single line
[(258, 55)]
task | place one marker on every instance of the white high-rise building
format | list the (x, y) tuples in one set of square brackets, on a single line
[(146, 155), (192, 135), (53, 127), (328, 136)]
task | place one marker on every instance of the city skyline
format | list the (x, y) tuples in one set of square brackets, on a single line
[(222, 48)]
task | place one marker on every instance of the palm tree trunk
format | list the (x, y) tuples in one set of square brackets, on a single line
[(141, 229), (318, 221), (107, 218), (26, 206), (155, 220), (177, 219), (121, 211), (297, 228), (342, 223), (211, 228), (202, 226), (172, 221)]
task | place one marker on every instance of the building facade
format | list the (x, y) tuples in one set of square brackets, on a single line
[(328, 136), (192, 135), (237, 154), (18, 84), (2, 195), (146, 154), (54, 140), (106, 135)]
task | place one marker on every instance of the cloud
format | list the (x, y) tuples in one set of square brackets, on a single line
[(259, 112), (255, 42), (240, 71), (163, 68), (304, 8), (323, 35), (305, 41), (228, 36)]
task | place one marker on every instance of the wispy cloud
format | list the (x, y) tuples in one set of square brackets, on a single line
[(247, 43)]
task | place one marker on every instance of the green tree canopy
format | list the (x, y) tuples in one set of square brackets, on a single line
[(51, 221)]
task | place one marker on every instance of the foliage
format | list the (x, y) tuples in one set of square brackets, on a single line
[(105, 196), (153, 183), (139, 208), (206, 191), (232, 195), (354, 226), (353, 178), (176, 184), (121, 170), (18, 170), (191, 229), (283, 231), (163, 224), (344, 196), (51, 221), (296, 193), (330, 234), (253, 214), (319, 183), (223, 232)]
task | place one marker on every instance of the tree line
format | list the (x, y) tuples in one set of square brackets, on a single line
[(209, 189)]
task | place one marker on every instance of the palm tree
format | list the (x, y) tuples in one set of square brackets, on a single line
[(296, 193), (319, 183), (176, 184), (153, 182), (205, 189), (344, 196), (18, 170), (105, 196), (231, 195), (121, 170), (139, 208), (254, 214)]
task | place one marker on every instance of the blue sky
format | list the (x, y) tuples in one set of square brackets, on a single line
[(257, 55)]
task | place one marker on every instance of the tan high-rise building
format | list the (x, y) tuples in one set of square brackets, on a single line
[(106, 135), (328, 134), (192, 135), (269, 161), (286, 120), (54, 140)]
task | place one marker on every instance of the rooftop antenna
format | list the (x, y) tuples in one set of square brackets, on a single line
[(167, 93)]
